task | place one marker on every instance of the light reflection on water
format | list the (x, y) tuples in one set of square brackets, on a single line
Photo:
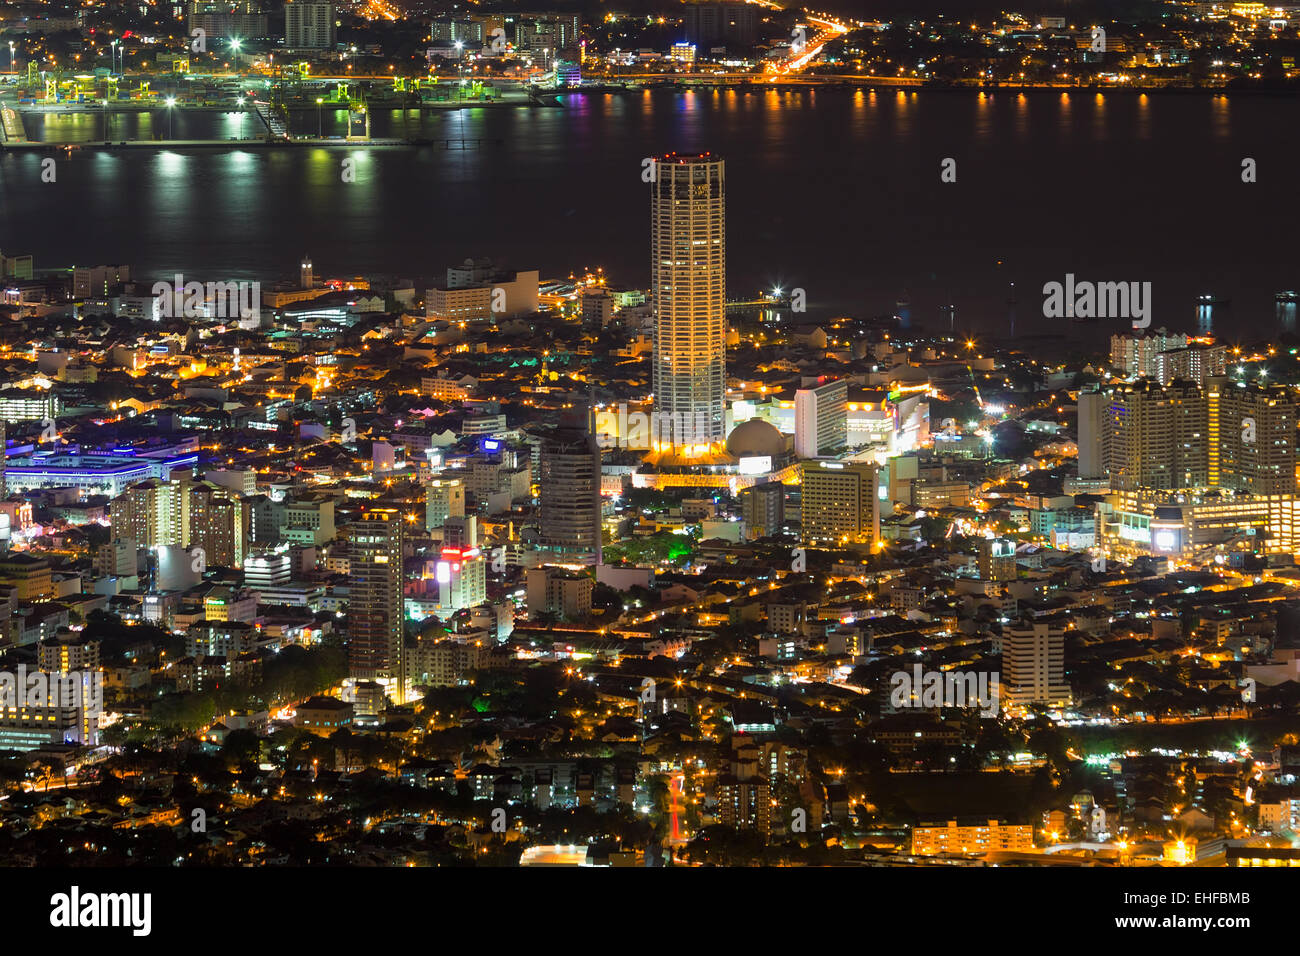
[(843, 199)]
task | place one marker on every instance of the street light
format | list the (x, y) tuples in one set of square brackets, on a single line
[(171, 102), (319, 133), (460, 92), (12, 68), (234, 50)]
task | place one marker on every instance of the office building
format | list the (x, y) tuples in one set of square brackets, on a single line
[(29, 404), (90, 281), (763, 509), (264, 570), (230, 605), (94, 474), (307, 522), (461, 574), (1197, 525), (569, 496), (30, 576), (443, 498), (996, 559), (460, 532), (688, 277), (116, 559), (503, 295)]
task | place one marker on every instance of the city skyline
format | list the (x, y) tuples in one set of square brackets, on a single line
[(385, 485)]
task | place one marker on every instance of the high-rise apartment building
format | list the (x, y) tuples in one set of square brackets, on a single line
[(543, 36), (688, 267), (1033, 665), (744, 794), (1253, 438), (821, 419), (185, 513), (839, 503), (376, 649), (308, 25), (1228, 435), (144, 514), (1156, 436), (1135, 355), (227, 20), (709, 24), (220, 523), (1196, 363), (1092, 431)]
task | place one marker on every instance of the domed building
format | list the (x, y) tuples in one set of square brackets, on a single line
[(754, 447), (756, 438)]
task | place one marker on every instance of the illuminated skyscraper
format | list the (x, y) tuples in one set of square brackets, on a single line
[(375, 620), (688, 266)]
